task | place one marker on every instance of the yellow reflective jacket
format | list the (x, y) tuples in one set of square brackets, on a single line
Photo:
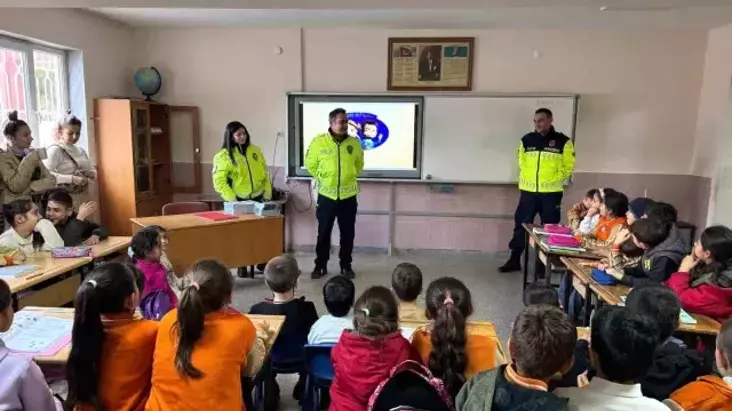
[(247, 177), (335, 165), (545, 162)]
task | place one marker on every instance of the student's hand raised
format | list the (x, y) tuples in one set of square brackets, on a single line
[(86, 210), (689, 262), (592, 212)]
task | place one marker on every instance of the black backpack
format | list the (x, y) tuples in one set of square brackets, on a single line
[(410, 386)]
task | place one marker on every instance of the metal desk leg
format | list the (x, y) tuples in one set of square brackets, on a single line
[(588, 306), (568, 289), (548, 269), (537, 262), (526, 257)]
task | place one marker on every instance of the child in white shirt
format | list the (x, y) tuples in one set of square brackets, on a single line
[(621, 350), (338, 295), (28, 232)]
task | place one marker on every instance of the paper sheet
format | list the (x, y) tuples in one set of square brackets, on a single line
[(38, 334), (16, 271), (407, 332)]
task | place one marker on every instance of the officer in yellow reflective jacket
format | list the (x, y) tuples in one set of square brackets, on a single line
[(335, 160), (239, 168), (546, 162)]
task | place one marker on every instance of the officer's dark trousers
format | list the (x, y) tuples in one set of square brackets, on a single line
[(547, 205), (327, 212)]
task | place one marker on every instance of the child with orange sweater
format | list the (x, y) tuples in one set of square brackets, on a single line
[(612, 220), (709, 393), (446, 348), (110, 363), (202, 347)]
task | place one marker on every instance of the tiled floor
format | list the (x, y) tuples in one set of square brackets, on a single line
[(496, 297)]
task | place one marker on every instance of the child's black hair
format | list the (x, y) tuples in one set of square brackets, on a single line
[(630, 250), (448, 304), (540, 292), (12, 124), (375, 313), (143, 243), (650, 231), (210, 290), (21, 207), (339, 294), (660, 304), (104, 291), (62, 197), (406, 280), (617, 203), (717, 240), (664, 212), (592, 193), (158, 229), (542, 341), (281, 274), (5, 295), (624, 343)]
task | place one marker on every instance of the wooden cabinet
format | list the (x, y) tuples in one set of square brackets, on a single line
[(133, 140)]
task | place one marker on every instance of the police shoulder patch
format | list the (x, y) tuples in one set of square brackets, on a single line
[(255, 156), (349, 149)]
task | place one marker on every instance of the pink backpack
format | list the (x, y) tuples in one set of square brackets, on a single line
[(410, 386)]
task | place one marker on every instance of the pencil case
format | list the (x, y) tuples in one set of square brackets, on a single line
[(71, 252), (563, 241), (557, 229)]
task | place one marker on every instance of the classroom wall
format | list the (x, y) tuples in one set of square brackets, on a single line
[(640, 97)]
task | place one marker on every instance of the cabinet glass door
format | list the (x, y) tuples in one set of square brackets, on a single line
[(141, 141)]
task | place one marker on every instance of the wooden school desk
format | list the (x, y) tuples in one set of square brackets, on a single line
[(241, 242), (614, 295), (536, 241), (473, 327), (110, 246), (60, 358), (57, 273)]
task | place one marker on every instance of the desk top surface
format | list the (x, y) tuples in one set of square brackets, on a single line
[(110, 245), (274, 321), (539, 239), (182, 221), (613, 295)]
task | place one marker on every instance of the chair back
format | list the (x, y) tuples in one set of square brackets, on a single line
[(317, 361), (185, 208)]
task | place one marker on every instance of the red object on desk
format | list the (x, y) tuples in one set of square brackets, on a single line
[(216, 216)]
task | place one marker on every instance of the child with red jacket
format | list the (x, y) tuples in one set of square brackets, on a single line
[(364, 357), (704, 280)]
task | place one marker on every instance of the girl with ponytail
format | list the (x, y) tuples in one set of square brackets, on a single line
[(446, 348), (110, 364), (202, 347)]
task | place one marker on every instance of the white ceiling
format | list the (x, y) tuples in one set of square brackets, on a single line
[(644, 13)]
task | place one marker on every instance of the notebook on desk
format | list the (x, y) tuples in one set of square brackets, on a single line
[(216, 216)]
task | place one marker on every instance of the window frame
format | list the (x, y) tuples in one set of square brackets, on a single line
[(27, 48)]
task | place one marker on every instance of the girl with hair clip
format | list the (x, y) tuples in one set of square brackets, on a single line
[(21, 166), (22, 385), (178, 284), (28, 232), (446, 348), (239, 168), (592, 216), (147, 252), (68, 162), (202, 347), (365, 356), (704, 281), (110, 364)]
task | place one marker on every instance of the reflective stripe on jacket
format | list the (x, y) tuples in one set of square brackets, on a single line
[(335, 165), (545, 162)]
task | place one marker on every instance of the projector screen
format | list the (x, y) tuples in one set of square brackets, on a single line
[(388, 128)]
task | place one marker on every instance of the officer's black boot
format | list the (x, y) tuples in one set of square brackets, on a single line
[(513, 264)]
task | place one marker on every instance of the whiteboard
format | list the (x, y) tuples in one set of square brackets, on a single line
[(476, 138)]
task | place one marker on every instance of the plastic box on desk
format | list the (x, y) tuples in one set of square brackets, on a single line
[(267, 209), (239, 207), (71, 252)]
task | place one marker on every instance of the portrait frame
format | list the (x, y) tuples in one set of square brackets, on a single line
[(430, 63)]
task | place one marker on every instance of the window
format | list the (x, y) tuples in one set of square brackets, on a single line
[(33, 82)]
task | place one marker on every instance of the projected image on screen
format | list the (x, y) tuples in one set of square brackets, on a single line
[(386, 130)]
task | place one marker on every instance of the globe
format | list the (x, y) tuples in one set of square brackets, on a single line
[(148, 81)]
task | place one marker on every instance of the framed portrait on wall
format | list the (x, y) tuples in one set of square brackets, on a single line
[(430, 63)]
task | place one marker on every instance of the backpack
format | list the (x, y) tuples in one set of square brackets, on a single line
[(410, 386), (155, 305)]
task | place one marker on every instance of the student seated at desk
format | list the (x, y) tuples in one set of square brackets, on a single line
[(579, 211), (668, 215), (704, 280), (177, 283), (22, 385), (622, 350), (146, 253), (447, 349), (202, 347), (711, 392), (612, 220), (673, 364), (28, 232), (592, 216), (541, 293), (74, 228), (624, 253), (338, 296), (662, 254), (406, 281), (111, 359), (541, 346)]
